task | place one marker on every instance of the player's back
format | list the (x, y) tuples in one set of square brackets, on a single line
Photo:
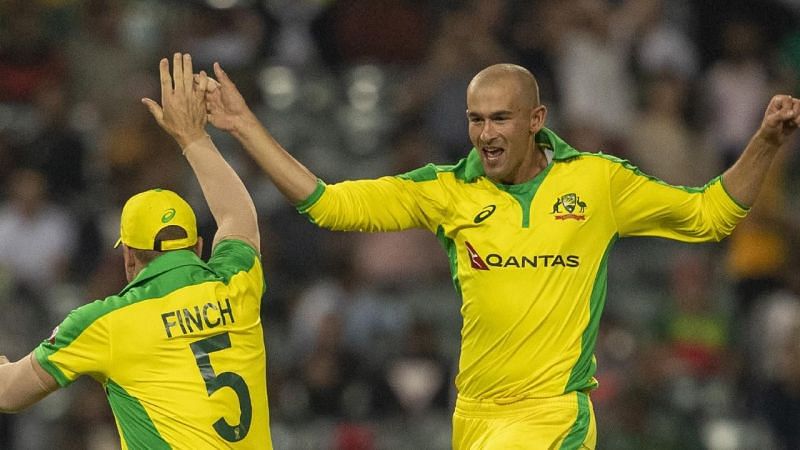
[(180, 351)]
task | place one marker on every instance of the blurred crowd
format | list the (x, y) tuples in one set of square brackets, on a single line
[(699, 346)]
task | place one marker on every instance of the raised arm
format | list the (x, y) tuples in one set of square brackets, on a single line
[(744, 179), (182, 114), (23, 383), (228, 111)]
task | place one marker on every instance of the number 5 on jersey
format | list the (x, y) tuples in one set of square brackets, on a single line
[(214, 382)]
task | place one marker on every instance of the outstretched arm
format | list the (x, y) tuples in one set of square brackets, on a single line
[(228, 111), (182, 114), (23, 383), (743, 180)]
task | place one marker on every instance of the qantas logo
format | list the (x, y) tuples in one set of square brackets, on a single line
[(519, 261), (474, 258)]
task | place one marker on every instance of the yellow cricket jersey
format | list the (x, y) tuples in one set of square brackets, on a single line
[(180, 352), (529, 260)]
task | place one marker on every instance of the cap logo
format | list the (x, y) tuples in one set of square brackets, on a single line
[(168, 215)]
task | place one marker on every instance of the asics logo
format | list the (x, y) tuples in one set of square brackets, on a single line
[(168, 215), (484, 213)]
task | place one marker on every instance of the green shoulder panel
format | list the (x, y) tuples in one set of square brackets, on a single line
[(466, 169), (629, 166), (142, 288), (137, 428), (232, 256)]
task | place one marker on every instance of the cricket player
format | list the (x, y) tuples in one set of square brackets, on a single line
[(180, 350), (527, 222)]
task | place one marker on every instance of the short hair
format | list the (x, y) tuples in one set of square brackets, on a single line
[(168, 233), (525, 80)]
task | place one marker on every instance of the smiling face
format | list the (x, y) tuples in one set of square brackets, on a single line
[(504, 113)]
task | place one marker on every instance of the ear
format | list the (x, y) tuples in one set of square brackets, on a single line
[(130, 263), (538, 116), (198, 247)]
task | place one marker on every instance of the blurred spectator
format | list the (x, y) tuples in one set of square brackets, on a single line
[(394, 32), (234, 37), (329, 368), (735, 88), (789, 63), (138, 156), (758, 251), (661, 143), (28, 58), (536, 28), (696, 332), (666, 46), (37, 238), (467, 42), (57, 150), (776, 338), (104, 92), (419, 377), (593, 55)]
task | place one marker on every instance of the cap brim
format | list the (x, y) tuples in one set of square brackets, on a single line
[(119, 241)]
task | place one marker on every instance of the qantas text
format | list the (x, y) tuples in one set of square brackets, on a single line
[(495, 260)]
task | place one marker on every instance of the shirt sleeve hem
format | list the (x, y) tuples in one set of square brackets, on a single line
[(306, 204), (724, 189), (49, 367)]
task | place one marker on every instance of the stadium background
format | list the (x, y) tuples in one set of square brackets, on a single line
[(699, 346)]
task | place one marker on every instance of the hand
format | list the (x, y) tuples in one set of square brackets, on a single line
[(225, 105), (4, 360), (781, 119), (184, 111)]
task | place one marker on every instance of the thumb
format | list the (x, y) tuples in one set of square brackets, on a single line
[(154, 109), (776, 118), (221, 75)]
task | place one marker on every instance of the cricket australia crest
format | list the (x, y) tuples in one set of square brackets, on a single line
[(569, 206)]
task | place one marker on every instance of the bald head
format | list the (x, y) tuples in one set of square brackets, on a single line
[(519, 77)]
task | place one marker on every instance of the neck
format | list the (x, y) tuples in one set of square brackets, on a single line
[(538, 163)]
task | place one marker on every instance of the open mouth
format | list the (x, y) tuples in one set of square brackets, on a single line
[(492, 153)]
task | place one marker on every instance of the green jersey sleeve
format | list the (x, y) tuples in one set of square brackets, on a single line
[(232, 256)]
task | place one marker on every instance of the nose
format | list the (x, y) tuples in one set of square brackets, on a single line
[(488, 131)]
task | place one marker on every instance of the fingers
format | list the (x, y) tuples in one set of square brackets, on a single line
[(166, 80), (213, 85), (4, 360), (202, 82), (188, 74), (781, 110), (177, 72), (154, 109), (221, 75)]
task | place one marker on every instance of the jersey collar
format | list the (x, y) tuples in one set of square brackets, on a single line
[(545, 138), (164, 263)]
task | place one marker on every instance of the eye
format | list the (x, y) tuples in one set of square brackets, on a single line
[(475, 119)]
